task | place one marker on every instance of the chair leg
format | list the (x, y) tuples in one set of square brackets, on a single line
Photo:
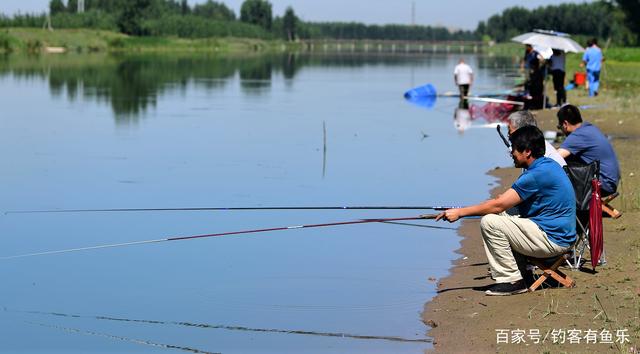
[(611, 211), (553, 272), (603, 258), (610, 197), (608, 209), (578, 251), (563, 279), (538, 282)]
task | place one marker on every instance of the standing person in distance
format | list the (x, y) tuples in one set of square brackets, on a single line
[(463, 77), (533, 64), (558, 74), (592, 60)]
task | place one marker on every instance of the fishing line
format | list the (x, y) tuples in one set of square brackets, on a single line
[(232, 209), (192, 237)]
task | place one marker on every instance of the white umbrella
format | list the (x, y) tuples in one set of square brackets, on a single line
[(551, 39), (545, 52)]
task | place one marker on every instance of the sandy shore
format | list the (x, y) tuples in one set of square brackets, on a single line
[(464, 319)]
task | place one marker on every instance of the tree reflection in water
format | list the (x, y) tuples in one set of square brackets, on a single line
[(132, 84)]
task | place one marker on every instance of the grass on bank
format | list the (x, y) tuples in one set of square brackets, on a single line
[(35, 40), (615, 54)]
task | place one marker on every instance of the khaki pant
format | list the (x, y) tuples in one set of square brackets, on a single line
[(504, 234)]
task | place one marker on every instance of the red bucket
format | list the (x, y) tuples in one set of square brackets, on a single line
[(579, 78)]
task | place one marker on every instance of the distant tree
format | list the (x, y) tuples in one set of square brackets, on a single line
[(184, 7), (56, 6), (289, 23), (131, 17), (257, 12), (594, 19), (631, 9), (72, 6), (482, 28), (110, 6), (214, 10)]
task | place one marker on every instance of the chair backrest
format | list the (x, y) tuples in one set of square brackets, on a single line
[(581, 176)]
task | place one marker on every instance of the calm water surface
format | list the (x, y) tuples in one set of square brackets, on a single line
[(151, 132)]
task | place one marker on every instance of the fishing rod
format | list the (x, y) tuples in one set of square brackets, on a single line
[(193, 237), (232, 209), (493, 100), (504, 140)]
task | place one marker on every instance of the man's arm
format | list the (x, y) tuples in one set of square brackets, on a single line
[(564, 153), (507, 200)]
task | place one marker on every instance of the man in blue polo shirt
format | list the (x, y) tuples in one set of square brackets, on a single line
[(546, 225), (586, 143), (592, 59)]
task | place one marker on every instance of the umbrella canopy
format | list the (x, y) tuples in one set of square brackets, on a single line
[(595, 223), (550, 39), (546, 52)]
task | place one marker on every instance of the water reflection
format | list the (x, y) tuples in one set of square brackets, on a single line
[(461, 119), (489, 114), (256, 76), (132, 84)]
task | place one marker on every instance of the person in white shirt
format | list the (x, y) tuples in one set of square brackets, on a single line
[(521, 119), (463, 77)]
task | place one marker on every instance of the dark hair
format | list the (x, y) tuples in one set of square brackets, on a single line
[(594, 41), (528, 138), (570, 113)]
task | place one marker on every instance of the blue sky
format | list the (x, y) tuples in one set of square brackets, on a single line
[(463, 14)]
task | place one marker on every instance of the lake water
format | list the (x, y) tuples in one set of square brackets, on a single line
[(176, 131)]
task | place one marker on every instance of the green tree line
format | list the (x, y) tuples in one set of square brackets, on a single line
[(212, 18), (604, 19), (600, 19)]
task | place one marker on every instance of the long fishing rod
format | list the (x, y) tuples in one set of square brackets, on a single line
[(504, 140), (232, 209), (493, 100), (192, 237)]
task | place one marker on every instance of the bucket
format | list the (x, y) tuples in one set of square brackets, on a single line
[(421, 91), (579, 78)]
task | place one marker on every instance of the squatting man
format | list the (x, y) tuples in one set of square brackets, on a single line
[(546, 224)]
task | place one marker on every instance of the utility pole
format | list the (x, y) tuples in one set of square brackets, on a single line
[(80, 6), (413, 13)]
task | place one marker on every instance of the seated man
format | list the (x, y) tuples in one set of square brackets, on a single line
[(586, 143), (546, 225), (521, 119)]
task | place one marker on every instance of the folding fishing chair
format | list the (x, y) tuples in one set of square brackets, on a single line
[(581, 176), (549, 268)]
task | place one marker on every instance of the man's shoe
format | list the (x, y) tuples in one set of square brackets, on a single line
[(503, 289)]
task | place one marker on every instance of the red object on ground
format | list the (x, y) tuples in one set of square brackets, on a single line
[(579, 78), (596, 241)]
